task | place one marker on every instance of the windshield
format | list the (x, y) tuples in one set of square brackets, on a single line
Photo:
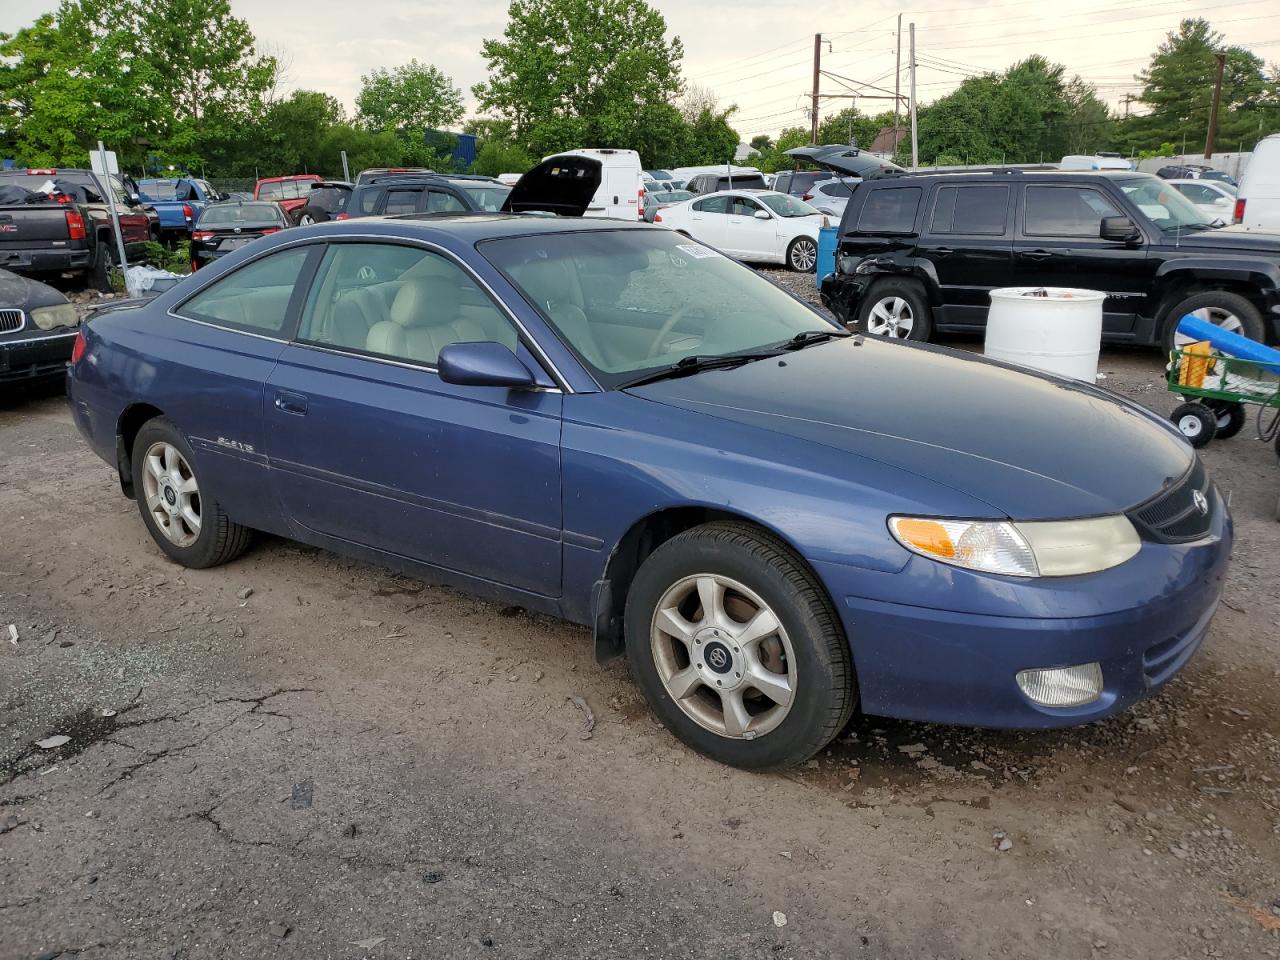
[(489, 197), (630, 302), (1163, 205), (160, 189), (240, 213), (786, 206)]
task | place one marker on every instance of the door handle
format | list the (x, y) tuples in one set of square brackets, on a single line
[(943, 251), (294, 403), (1037, 254)]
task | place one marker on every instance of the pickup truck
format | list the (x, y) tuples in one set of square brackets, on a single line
[(292, 193), (921, 252), (70, 232), (178, 202)]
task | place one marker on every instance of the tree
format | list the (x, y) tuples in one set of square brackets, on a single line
[(851, 125), (499, 156), (1089, 125), (574, 73), (761, 143), (710, 139), (293, 130), (777, 159), (415, 97)]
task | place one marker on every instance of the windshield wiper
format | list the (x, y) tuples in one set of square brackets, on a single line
[(806, 337), (695, 364)]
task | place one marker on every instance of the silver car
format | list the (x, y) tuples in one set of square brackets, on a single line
[(832, 196)]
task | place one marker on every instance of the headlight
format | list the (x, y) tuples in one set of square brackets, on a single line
[(59, 315), (1059, 548)]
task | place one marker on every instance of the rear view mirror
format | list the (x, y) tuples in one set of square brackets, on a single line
[(483, 365), (1118, 230)]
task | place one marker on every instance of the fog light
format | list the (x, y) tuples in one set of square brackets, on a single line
[(1062, 686)]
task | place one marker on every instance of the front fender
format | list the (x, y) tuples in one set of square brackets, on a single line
[(1256, 271)]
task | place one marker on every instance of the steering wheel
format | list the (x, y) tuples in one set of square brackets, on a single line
[(672, 320)]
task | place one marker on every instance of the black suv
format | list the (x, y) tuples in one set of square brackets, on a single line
[(395, 193), (922, 252)]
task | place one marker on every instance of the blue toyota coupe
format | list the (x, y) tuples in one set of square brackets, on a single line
[(774, 520)]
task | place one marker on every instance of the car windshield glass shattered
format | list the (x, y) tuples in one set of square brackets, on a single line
[(240, 213), (787, 206), (1163, 205), (632, 302)]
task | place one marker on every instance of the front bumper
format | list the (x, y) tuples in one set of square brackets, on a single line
[(951, 657), (35, 357)]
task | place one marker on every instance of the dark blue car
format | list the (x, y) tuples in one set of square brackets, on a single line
[(775, 521)]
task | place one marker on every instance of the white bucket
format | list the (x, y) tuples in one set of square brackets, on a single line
[(1056, 329)]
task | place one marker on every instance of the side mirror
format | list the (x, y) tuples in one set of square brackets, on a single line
[(762, 215), (135, 200), (1118, 230), (483, 365)]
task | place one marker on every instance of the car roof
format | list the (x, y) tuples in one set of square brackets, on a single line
[(1005, 172), (471, 227)]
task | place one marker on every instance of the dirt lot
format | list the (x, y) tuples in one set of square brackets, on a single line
[(301, 756)]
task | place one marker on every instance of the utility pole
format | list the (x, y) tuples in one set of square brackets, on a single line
[(817, 67), (915, 143), (897, 91), (1213, 109), (1127, 99)]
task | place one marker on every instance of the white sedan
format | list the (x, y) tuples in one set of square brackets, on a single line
[(754, 225), (1215, 199)]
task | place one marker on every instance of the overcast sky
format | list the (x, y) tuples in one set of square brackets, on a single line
[(757, 54)]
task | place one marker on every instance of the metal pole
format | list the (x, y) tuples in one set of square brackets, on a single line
[(346, 171), (111, 203), (897, 93), (1213, 108), (915, 140), (817, 64)]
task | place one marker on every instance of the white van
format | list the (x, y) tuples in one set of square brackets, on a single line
[(1079, 162), (1258, 200), (621, 192)]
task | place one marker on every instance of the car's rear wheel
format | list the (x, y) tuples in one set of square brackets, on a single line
[(737, 647), (1196, 422), (1230, 311), (802, 255), (897, 310), (100, 270), (183, 518), (309, 215)]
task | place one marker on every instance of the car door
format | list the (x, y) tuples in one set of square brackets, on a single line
[(744, 235), (367, 445), (968, 241), (1057, 245), (708, 219), (135, 225), (226, 341)]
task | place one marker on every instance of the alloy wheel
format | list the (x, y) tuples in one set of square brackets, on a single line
[(804, 254), (723, 656), (306, 220), (1218, 316), (891, 317), (171, 493)]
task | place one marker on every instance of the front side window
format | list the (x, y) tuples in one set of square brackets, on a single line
[(1066, 211), (742, 207), (973, 210), (631, 302), (892, 210), (254, 298), (398, 302), (440, 202), (489, 197), (401, 201)]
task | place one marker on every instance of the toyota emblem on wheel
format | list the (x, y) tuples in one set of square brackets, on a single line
[(717, 658)]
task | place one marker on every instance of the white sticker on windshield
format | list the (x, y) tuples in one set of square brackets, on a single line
[(697, 251)]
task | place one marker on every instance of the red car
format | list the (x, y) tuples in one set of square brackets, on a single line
[(290, 192)]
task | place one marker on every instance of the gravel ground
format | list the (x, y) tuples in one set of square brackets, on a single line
[(302, 756)]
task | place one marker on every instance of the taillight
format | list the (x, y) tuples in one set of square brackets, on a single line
[(640, 202), (194, 266), (187, 211), (1238, 216), (807, 196), (202, 235), (41, 173), (343, 216), (657, 218), (270, 230), (75, 225), (78, 348)]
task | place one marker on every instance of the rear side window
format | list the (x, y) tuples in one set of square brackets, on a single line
[(712, 205), (368, 201), (782, 183), (891, 210), (971, 210), (254, 298)]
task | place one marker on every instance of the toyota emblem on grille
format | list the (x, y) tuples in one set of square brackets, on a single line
[(1201, 502)]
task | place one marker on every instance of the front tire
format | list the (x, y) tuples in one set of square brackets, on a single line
[(1230, 311), (737, 647), (183, 517), (802, 255), (896, 310)]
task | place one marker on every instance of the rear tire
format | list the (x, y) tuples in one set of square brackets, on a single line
[(697, 679), (99, 275), (896, 310), (309, 215), (1228, 310), (179, 512), (1196, 422)]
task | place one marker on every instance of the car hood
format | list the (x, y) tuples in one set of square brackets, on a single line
[(1033, 446), (25, 293), (843, 159), (1237, 239), (562, 184)]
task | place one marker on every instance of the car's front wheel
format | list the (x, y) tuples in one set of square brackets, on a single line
[(1224, 309), (737, 648), (182, 516), (802, 255)]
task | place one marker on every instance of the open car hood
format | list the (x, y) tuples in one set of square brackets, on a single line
[(844, 159), (562, 185)]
